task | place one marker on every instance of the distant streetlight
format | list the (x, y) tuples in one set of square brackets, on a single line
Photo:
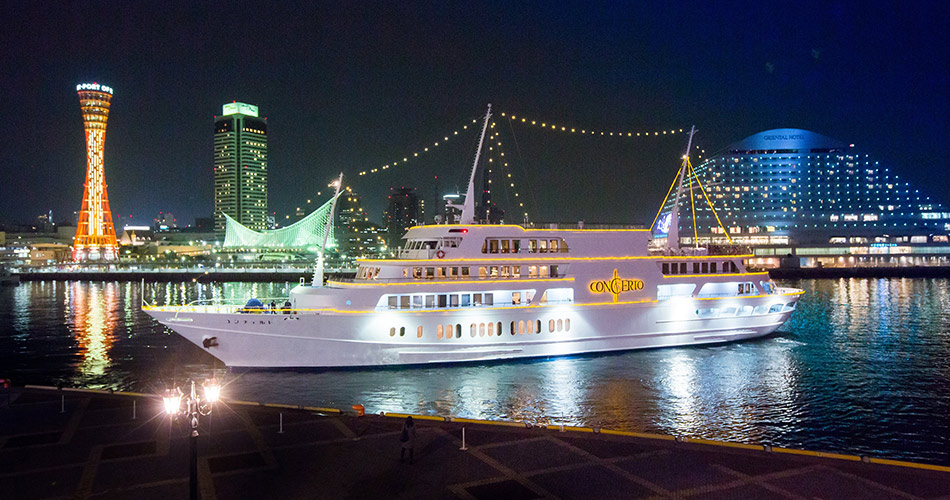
[(193, 407)]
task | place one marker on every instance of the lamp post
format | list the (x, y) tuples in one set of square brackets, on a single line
[(194, 406)]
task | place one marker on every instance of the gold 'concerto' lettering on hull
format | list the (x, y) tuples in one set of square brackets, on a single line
[(615, 286)]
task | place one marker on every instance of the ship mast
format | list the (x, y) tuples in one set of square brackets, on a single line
[(318, 271), (468, 206), (673, 235)]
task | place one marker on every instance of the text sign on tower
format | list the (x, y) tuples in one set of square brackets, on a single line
[(94, 86), (240, 108)]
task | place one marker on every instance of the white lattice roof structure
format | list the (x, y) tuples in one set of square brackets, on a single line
[(305, 233)]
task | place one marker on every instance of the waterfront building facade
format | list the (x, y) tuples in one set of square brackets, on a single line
[(95, 234), (404, 209), (240, 167), (796, 195)]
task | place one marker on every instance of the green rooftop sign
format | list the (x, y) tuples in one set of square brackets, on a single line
[(240, 108)]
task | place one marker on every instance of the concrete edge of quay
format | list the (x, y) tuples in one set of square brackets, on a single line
[(357, 411)]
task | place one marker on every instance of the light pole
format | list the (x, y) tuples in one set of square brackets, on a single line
[(194, 407)]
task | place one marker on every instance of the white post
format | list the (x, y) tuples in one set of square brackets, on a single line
[(463, 448), (133, 409), (318, 272), (62, 407), (281, 431)]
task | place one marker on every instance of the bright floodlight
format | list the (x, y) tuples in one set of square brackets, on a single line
[(212, 391), (172, 401)]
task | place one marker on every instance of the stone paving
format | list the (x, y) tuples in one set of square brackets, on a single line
[(80, 445)]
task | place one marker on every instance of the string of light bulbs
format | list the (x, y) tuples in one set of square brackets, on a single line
[(556, 127), (495, 142), (406, 158)]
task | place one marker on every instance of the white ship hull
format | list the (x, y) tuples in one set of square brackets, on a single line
[(347, 340)]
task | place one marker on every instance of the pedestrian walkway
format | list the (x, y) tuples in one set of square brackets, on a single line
[(64, 444)]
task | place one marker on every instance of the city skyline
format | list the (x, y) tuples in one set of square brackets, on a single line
[(357, 88)]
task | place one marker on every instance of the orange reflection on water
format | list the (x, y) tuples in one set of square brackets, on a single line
[(91, 309)]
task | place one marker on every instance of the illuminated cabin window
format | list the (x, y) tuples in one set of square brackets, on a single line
[(473, 329), (419, 331), (529, 326), (392, 332), (567, 325), (439, 331), (491, 329), (402, 331), (521, 328), (551, 326)]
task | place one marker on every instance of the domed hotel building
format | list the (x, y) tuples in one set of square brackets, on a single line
[(802, 199)]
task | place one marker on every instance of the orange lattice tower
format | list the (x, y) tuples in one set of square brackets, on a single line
[(95, 235)]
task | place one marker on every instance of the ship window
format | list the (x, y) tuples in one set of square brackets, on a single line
[(516, 271), (532, 246), (759, 310), (512, 329), (489, 298), (491, 329), (476, 299), (485, 246), (745, 311), (538, 326), (551, 326), (393, 301), (563, 246), (458, 331), (530, 326), (567, 325), (515, 246), (712, 267), (505, 271), (481, 329), (532, 271), (453, 272), (553, 246), (442, 301), (430, 273), (560, 325), (695, 267), (419, 331), (543, 246), (466, 300), (515, 298), (440, 272), (454, 301), (705, 267), (492, 246), (405, 272), (493, 271), (438, 332), (482, 272), (521, 328), (666, 268), (392, 332), (417, 272), (402, 331), (465, 272), (472, 329), (498, 328), (543, 271), (554, 272), (505, 246), (404, 302), (430, 301), (775, 308), (682, 268), (417, 301)]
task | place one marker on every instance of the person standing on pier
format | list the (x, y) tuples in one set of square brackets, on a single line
[(408, 439)]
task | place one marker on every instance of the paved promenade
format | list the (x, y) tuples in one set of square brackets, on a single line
[(66, 444)]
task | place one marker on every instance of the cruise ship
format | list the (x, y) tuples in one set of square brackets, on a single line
[(475, 292)]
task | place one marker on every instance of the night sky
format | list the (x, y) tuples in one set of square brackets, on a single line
[(351, 87)]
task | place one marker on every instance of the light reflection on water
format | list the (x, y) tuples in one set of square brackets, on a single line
[(863, 366)]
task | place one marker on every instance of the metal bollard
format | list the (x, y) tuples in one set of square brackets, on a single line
[(463, 448), (133, 409), (281, 431)]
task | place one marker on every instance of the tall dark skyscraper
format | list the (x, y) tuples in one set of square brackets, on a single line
[(404, 210), (240, 167)]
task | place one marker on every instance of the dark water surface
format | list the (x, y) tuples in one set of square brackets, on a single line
[(863, 366)]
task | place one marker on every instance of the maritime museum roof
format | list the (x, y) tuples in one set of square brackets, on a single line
[(307, 232)]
